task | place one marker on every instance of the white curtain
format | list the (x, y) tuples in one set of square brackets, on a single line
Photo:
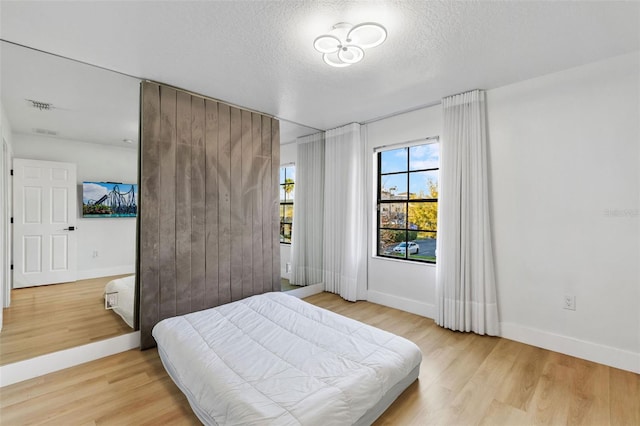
[(345, 216), (465, 281), (307, 238)]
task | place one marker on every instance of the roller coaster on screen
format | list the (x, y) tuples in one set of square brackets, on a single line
[(113, 202)]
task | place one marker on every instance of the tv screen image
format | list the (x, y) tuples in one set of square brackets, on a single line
[(109, 199)]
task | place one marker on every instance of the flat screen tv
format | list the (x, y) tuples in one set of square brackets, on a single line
[(109, 199)]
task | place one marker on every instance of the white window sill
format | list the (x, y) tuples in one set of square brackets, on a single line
[(390, 259)]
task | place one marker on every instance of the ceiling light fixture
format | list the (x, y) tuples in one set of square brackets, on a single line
[(344, 45)]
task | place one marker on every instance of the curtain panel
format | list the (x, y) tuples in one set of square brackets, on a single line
[(465, 282), (307, 238), (345, 213)]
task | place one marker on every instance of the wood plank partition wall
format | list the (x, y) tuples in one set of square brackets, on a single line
[(208, 226)]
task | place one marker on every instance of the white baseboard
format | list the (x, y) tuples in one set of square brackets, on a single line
[(49, 363), (407, 305), (607, 355), (307, 291), (105, 272)]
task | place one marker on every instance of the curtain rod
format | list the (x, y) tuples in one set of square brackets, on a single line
[(416, 108), (404, 111), (405, 143), (303, 136)]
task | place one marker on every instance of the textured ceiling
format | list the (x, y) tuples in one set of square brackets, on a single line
[(89, 104), (259, 54)]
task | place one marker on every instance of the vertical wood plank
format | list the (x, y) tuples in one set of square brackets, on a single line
[(211, 201), (275, 166), (266, 137), (248, 194), (236, 205), (257, 177), (267, 208), (149, 281), (183, 204), (167, 202), (209, 227), (198, 253), (224, 203)]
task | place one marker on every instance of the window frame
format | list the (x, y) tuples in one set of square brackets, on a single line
[(285, 202), (380, 202)]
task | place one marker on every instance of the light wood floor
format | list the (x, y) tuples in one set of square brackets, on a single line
[(285, 285), (465, 379), (50, 318)]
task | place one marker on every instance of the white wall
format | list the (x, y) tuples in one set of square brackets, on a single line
[(565, 190), (113, 239), (564, 153), (404, 285), (287, 156)]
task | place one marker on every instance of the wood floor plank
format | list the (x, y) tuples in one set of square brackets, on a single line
[(51, 318), (499, 413), (549, 404), (478, 390), (525, 373), (464, 379), (589, 402), (418, 405), (624, 389)]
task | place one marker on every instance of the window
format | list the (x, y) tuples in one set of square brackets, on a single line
[(287, 182), (408, 202)]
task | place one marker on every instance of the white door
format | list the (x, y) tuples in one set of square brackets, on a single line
[(44, 216)]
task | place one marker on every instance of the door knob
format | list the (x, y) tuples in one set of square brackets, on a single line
[(71, 228)]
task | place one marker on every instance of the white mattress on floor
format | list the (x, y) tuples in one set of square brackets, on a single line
[(274, 359), (125, 288)]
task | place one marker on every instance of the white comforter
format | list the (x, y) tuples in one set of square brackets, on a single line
[(274, 359), (125, 288)]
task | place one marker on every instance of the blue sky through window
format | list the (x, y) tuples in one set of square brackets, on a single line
[(419, 157)]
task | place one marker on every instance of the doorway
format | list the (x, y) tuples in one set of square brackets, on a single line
[(44, 238)]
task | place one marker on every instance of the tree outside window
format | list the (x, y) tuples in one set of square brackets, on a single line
[(287, 195)]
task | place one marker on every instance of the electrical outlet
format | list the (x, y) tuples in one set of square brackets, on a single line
[(287, 267), (570, 302), (111, 300), (95, 253)]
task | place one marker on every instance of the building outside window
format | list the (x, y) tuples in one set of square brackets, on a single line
[(407, 202), (287, 192)]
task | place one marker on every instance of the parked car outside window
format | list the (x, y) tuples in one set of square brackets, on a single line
[(402, 247)]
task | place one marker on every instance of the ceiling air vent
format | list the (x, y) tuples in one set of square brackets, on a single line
[(45, 132), (42, 106)]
